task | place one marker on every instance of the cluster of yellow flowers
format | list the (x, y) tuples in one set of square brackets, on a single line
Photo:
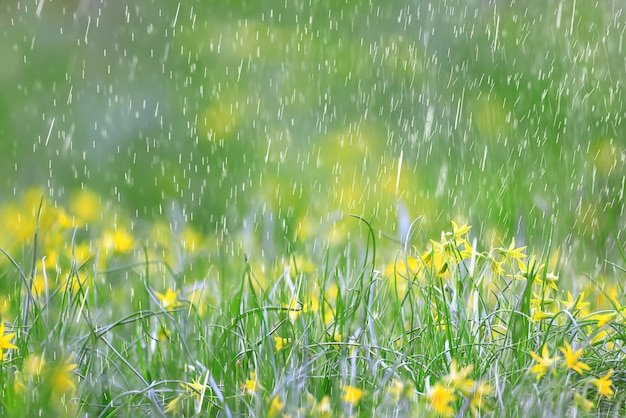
[(571, 360), (457, 384)]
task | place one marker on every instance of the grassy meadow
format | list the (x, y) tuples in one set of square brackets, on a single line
[(105, 318)]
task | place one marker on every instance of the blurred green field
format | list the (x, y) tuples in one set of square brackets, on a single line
[(269, 119)]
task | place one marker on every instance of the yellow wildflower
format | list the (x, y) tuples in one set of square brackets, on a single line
[(481, 391), (251, 385), (571, 358), (62, 378), (280, 342), (169, 300), (275, 407), (440, 398), (457, 379), (294, 308), (458, 232), (398, 390), (604, 384), (602, 318), (516, 254), (174, 405), (323, 408), (119, 241), (5, 340), (577, 304), (86, 205), (351, 394), (33, 365), (544, 363), (195, 388)]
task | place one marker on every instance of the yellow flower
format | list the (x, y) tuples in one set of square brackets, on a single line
[(33, 365), (516, 254), (458, 232), (457, 379), (351, 394), (294, 308), (481, 391), (280, 342), (571, 358), (163, 334), (323, 408), (169, 300), (440, 398), (602, 318), (398, 390), (5, 340), (251, 385), (174, 405), (18, 383), (544, 363), (86, 205), (604, 384), (62, 378), (577, 304), (195, 388), (275, 407), (119, 241)]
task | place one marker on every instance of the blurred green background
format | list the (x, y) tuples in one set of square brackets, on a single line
[(269, 121)]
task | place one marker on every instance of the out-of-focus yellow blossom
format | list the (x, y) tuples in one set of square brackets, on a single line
[(5, 340), (479, 395), (38, 285), (276, 406), (496, 268), (458, 379), (251, 384), (17, 226), (33, 365), (405, 268), (603, 384), (440, 398), (602, 318), (572, 358), (5, 306), (18, 383), (174, 405), (163, 334), (436, 262), (322, 408), (63, 378), (402, 272), (399, 390), (351, 394), (195, 388), (543, 363), (280, 342), (169, 300), (86, 205), (294, 309), (332, 290), (582, 402), (119, 241)]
